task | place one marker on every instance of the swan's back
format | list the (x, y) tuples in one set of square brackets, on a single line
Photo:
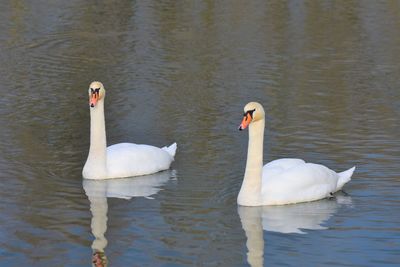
[(127, 159), (278, 166)]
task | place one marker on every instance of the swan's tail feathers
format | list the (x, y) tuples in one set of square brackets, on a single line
[(344, 177), (170, 149)]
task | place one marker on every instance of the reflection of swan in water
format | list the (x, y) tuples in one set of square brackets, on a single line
[(99, 190), (284, 219)]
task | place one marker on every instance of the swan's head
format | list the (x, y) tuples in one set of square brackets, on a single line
[(96, 92), (253, 111)]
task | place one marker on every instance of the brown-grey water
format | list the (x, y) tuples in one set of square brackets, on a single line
[(327, 73)]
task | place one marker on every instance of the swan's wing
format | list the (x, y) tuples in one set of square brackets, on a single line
[(128, 159), (300, 183)]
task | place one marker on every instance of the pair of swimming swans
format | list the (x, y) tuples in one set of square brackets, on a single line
[(282, 181)]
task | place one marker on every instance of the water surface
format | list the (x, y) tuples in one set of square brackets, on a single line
[(326, 72)]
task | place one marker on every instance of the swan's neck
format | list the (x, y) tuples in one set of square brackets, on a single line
[(96, 161), (250, 192)]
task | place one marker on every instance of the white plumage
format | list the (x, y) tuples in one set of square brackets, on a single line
[(286, 181), (127, 159)]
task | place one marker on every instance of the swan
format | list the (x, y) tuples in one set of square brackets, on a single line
[(281, 181), (119, 160)]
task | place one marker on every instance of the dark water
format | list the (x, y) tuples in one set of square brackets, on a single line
[(327, 73)]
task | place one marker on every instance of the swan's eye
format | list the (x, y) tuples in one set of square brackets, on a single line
[(95, 91), (250, 112)]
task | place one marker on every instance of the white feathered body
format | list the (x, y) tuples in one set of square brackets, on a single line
[(127, 159), (286, 181)]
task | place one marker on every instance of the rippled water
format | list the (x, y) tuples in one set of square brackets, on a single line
[(326, 72)]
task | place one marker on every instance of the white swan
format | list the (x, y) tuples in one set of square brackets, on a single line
[(120, 160), (282, 181)]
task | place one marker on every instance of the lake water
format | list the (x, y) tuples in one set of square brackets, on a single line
[(327, 73)]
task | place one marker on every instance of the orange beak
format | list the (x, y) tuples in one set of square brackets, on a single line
[(246, 121), (94, 97)]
